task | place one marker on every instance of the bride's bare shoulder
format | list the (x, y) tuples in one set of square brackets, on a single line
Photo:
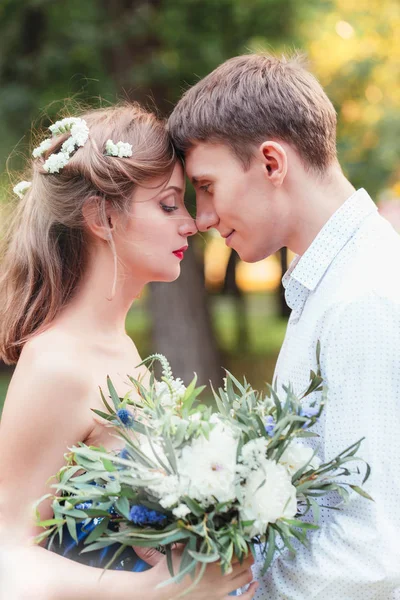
[(55, 360), (51, 388)]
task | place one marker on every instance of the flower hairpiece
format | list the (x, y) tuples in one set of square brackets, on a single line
[(120, 149), (21, 188), (79, 135)]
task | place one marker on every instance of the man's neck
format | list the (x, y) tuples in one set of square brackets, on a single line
[(313, 207)]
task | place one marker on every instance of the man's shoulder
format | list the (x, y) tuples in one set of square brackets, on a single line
[(366, 268)]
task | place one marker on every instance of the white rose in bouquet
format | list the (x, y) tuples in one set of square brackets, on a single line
[(297, 456), (268, 495), (209, 466)]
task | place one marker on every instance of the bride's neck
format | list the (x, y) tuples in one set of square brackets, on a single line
[(94, 308)]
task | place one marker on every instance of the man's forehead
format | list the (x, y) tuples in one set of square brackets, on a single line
[(200, 160)]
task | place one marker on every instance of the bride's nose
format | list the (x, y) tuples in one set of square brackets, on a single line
[(187, 227)]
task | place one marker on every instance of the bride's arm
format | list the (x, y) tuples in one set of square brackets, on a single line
[(45, 413)]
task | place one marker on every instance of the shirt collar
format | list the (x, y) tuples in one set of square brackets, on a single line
[(309, 268)]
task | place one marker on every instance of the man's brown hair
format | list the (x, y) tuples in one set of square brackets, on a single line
[(251, 98)]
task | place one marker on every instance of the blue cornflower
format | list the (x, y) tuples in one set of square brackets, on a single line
[(124, 454), (125, 417), (140, 515), (270, 425), (309, 411)]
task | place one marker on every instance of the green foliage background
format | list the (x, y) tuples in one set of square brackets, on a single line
[(151, 50)]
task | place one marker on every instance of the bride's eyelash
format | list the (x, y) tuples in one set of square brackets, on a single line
[(204, 188), (168, 209)]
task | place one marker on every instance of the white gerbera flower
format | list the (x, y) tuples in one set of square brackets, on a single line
[(296, 456), (267, 502), (21, 188)]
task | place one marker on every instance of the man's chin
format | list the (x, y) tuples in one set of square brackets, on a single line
[(251, 255)]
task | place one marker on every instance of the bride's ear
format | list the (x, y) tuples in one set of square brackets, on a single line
[(100, 219), (275, 162)]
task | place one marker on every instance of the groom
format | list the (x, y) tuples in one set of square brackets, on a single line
[(258, 136)]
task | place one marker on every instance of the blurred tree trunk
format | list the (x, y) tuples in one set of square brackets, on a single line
[(181, 324), (231, 288)]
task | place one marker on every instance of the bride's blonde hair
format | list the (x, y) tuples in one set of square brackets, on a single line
[(44, 248)]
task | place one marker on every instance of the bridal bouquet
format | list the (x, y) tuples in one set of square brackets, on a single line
[(218, 482)]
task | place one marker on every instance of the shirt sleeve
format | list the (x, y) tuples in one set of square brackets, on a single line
[(355, 555)]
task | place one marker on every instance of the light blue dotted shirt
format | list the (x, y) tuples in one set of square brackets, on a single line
[(345, 291)]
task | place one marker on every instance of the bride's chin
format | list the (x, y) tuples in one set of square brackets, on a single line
[(167, 277)]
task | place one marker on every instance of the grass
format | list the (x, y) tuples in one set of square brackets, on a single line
[(254, 358)]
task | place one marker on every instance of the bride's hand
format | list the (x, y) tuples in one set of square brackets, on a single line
[(212, 586)]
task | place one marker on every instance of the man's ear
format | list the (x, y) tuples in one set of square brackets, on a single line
[(99, 220), (275, 162)]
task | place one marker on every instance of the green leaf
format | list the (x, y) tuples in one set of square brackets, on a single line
[(100, 544), (175, 537), (38, 539), (71, 524), (103, 415), (50, 522), (194, 506), (108, 465), (362, 492), (170, 453), (231, 378), (177, 578), (108, 407), (367, 474), (316, 509), (122, 506), (113, 394), (97, 531), (73, 512), (204, 558), (117, 553), (300, 524), (271, 550), (170, 565)]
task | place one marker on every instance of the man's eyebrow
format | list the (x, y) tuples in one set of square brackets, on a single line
[(195, 180)]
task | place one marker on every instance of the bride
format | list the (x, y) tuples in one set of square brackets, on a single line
[(103, 215)]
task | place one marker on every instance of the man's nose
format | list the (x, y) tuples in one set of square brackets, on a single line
[(206, 217)]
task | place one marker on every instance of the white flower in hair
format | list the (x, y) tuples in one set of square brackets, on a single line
[(42, 148), (79, 135), (120, 149), (21, 188), (77, 126), (56, 162)]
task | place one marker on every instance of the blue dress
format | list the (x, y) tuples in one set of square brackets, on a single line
[(127, 561)]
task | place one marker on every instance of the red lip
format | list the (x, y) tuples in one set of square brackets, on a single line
[(181, 252)]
